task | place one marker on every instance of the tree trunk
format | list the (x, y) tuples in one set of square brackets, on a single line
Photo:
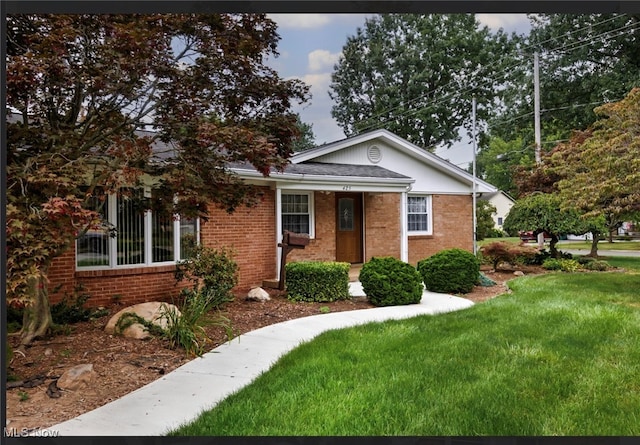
[(594, 244), (37, 316), (552, 246)]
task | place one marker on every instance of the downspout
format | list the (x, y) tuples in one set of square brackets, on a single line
[(278, 228)]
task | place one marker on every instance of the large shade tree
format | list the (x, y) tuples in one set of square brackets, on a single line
[(416, 75), (601, 167), (584, 60), (83, 91)]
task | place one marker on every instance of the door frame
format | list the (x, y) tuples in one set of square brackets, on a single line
[(359, 196)]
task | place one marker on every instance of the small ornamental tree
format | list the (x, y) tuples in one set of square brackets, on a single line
[(542, 212), (81, 88)]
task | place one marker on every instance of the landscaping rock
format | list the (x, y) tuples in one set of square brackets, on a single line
[(518, 273), (75, 378), (150, 311), (258, 294)]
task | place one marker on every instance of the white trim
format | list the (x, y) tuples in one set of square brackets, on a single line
[(404, 232), (312, 210), (278, 229), (401, 145), (429, 231)]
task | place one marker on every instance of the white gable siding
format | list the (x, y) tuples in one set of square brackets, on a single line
[(502, 204), (427, 178)]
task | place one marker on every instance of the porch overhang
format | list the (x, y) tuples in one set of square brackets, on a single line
[(331, 177)]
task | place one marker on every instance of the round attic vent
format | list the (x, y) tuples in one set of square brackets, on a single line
[(374, 154)]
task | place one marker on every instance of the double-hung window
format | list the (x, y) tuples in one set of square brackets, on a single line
[(131, 235), (297, 212), (419, 221)]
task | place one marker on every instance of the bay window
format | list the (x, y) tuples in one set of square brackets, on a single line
[(142, 237)]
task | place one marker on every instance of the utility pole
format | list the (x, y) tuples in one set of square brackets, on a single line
[(475, 222), (536, 104), (536, 108)]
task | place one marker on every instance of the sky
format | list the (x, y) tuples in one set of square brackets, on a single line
[(310, 46)]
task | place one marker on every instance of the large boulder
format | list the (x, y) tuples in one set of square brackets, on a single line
[(258, 294), (151, 311), (75, 378)]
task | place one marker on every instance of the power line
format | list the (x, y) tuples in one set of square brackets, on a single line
[(493, 79), (503, 71)]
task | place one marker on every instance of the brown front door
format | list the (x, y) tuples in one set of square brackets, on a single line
[(349, 227)]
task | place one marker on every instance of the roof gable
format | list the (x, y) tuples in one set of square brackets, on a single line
[(332, 151)]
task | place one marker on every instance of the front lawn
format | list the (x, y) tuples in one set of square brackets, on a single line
[(558, 356)]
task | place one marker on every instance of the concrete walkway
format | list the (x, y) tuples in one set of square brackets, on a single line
[(200, 384)]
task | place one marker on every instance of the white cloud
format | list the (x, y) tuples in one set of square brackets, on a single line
[(509, 22), (321, 59), (301, 21)]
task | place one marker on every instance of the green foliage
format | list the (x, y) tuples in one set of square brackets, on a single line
[(317, 281), (387, 281), (450, 271), (593, 264), (187, 329), (213, 272), (485, 226), (306, 139), (585, 59), (416, 75), (128, 319), (563, 264), (495, 163), (485, 281), (602, 169), (501, 251), (76, 128), (543, 212), (71, 309)]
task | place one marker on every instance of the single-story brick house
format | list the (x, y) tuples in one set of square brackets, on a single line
[(374, 194)]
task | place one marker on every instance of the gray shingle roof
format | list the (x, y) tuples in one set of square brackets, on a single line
[(329, 169)]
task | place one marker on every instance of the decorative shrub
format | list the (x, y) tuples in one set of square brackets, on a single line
[(563, 264), (317, 281), (597, 265), (213, 272), (503, 252), (388, 281), (71, 308), (450, 271)]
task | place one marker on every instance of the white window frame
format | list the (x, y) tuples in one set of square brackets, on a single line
[(112, 242), (310, 196), (429, 231)]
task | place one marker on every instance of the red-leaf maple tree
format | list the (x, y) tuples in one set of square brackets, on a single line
[(92, 99)]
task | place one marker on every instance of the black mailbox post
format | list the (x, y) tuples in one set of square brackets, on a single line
[(290, 241)]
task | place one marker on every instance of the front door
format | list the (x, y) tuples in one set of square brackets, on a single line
[(349, 227)]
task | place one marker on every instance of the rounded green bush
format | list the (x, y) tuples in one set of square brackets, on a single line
[(450, 271), (387, 281)]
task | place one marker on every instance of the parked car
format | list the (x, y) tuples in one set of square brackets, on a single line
[(526, 236)]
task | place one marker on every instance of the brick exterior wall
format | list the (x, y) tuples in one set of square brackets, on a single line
[(323, 246), (250, 232), (452, 227), (382, 225)]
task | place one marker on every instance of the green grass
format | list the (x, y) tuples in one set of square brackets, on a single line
[(511, 240), (602, 245), (558, 356), (631, 264)]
